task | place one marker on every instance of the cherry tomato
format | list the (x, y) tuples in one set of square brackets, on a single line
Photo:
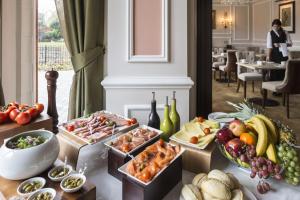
[(39, 107), (200, 119), (33, 112), (161, 142), (133, 120), (194, 140), (23, 118), (13, 114), (102, 118), (206, 131), (70, 127), (129, 122), (3, 117), (14, 104), (125, 147)]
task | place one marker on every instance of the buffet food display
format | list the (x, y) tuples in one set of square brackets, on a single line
[(130, 141), (150, 162), (98, 126), (197, 134), (214, 185)]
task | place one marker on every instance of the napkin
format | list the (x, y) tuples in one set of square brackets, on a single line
[(283, 49)]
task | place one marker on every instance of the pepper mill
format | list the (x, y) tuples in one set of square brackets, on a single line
[(51, 77)]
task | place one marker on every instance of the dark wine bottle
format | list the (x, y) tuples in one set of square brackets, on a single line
[(154, 120)]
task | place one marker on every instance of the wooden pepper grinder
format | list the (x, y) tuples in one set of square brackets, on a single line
[(51, 77)]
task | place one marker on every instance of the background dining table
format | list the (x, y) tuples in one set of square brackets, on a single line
[(265, 68)]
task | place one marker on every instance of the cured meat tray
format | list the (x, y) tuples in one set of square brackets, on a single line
[(98, 126)]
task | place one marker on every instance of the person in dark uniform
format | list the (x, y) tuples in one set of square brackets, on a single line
[(277, 41)]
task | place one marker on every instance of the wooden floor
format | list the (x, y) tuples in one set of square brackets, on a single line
[(222, 93)]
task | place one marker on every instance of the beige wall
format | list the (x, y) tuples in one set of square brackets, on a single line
[(251, 24)]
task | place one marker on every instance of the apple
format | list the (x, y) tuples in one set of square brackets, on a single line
[(237, 127), (235, 147), (224, 135)]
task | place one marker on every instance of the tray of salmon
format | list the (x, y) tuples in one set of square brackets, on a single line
[(150, 163), (127, 143), (98, 126)]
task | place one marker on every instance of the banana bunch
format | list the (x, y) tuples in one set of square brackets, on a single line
[(267, 134), (216, 185)]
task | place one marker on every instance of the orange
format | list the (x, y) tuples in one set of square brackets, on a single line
[(248, 138)]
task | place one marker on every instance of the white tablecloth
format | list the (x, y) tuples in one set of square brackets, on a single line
[(109, 188)]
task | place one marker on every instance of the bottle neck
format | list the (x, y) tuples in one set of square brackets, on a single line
[(153, 105), (173, 105), (166, 112)]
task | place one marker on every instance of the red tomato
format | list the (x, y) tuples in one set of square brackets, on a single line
[(9, 109), (14, 104), (129, 122), (23, 118), (102, 118), (13, 114), (3, 117), (39, 107), (33, 112), (133, 120), (70, 127)]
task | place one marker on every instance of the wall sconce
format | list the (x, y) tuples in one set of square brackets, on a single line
[(226, 20)]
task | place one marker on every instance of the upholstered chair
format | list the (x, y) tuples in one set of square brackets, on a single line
[(230, 67)]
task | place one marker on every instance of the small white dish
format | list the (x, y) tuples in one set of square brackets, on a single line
[(220, 117), (37, 179), (44, 190), (73, 189), (58, 179)]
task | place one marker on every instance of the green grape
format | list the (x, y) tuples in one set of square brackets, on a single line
[(291, 169), (296, 180), (292, 164), (288, 181), (295, 159), (290, 155), (280, 155), (297, 168), (280, 148), (297, 174)]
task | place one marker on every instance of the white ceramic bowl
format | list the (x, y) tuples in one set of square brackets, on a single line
[(38, 179), (60, 178), (73, 189), (18, 164), (50, 190)]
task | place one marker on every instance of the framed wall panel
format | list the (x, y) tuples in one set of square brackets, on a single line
[(148, 23)]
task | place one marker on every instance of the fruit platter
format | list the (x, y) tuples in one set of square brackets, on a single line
[(151, 162), (134, 139), (197, 133), (98, 126), (215, 185), (262, 146)]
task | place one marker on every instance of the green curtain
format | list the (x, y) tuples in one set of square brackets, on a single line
[(2, 102), (82, 25)]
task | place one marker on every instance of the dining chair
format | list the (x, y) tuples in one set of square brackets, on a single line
[(216, 66), (244, 76), (230, 67), (290, 84), (294, 55)]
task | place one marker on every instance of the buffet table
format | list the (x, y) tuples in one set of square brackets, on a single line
[(8, 189), (110, 188)]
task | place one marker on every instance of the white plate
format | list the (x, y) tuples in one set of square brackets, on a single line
[(159, 132), (214, 116), (60, 178), (122, 169), (39, 179), (50, 190), (83, 177), (248, 195)]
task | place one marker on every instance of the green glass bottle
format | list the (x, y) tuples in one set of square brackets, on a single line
[(174, 116), (166, 126)]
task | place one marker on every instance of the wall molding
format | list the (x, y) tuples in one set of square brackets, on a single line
[(164, 57), (139, 82), (248, 17), (139, 107), (253, 11)]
